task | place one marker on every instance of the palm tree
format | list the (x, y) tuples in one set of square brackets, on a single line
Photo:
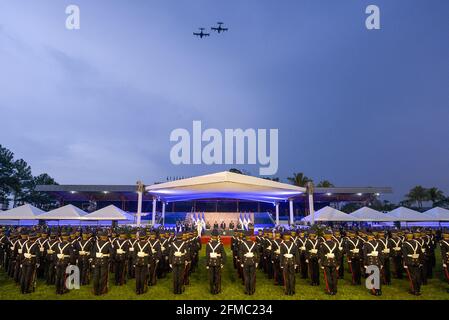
[(325, 184), (418, 195), (299, 179), (435, 195)]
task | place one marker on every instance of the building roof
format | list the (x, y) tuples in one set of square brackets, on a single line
[(129, 192)]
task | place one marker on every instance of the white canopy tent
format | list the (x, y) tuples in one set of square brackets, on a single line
[(68, 212), (371, 215), (109, 213), (439, 214), (406, 214), (224, 185), (328, 214), (23, 215), (25, 212)]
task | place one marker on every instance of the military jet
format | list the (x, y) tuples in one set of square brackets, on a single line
[(201, 34), (219, 28)]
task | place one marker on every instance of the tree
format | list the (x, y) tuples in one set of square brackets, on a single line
[(7, 182), (325, 184), (435, 195), (417, 195), (299, 179), (23, 182), (351, 207), (39, 199), (18, 183)]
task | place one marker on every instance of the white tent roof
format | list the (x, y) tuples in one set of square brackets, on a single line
[(25, 212), (331, 214), (224, 185), (368, 214), (68, 212), (406, 214), (440, 214), (108, 213)]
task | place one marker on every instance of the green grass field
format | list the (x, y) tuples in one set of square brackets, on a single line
[(231, 289)]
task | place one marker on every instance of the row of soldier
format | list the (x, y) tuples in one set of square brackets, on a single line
[(145, 255), (148, 256), (282, 254)]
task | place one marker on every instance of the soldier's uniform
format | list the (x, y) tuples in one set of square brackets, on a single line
[(430, 253), (267, 253), (42, 242), (188, 257), (248, 261), (411, 252), (354, 251), (18, 254), (396, 253), (83, 248), (276, 259), (301, 243), (51, 258), (420, 237), (341, 260), (132, 244), (141, 257), (163, 264), (289, 262), (12, 254), (215, 259), (444, 245), (64, 255), (156, 256), (259, 241), (102, 253), (385, 248), (121, 248), (312, 259), (3, 247), (329, 255), (177, 260), (372, 256), (30, 263)]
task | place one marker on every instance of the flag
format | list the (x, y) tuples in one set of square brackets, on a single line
[(203, 220)]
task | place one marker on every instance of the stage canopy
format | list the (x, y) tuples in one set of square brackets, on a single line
[(68, 212), (224, 185), (25, 212), (331, 214), (368, 214), (406, 214), (439, 214), (110, 212)]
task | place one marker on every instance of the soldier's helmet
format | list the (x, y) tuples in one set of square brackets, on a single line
[(142, 234), (32, 236), (214, 233)]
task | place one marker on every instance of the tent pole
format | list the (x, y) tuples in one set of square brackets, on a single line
[(310, 188), (139, 207), (153, 217), (277, 213), (291, 212), (163, 213)]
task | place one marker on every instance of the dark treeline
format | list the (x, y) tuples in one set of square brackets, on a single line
[(17, 183)]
